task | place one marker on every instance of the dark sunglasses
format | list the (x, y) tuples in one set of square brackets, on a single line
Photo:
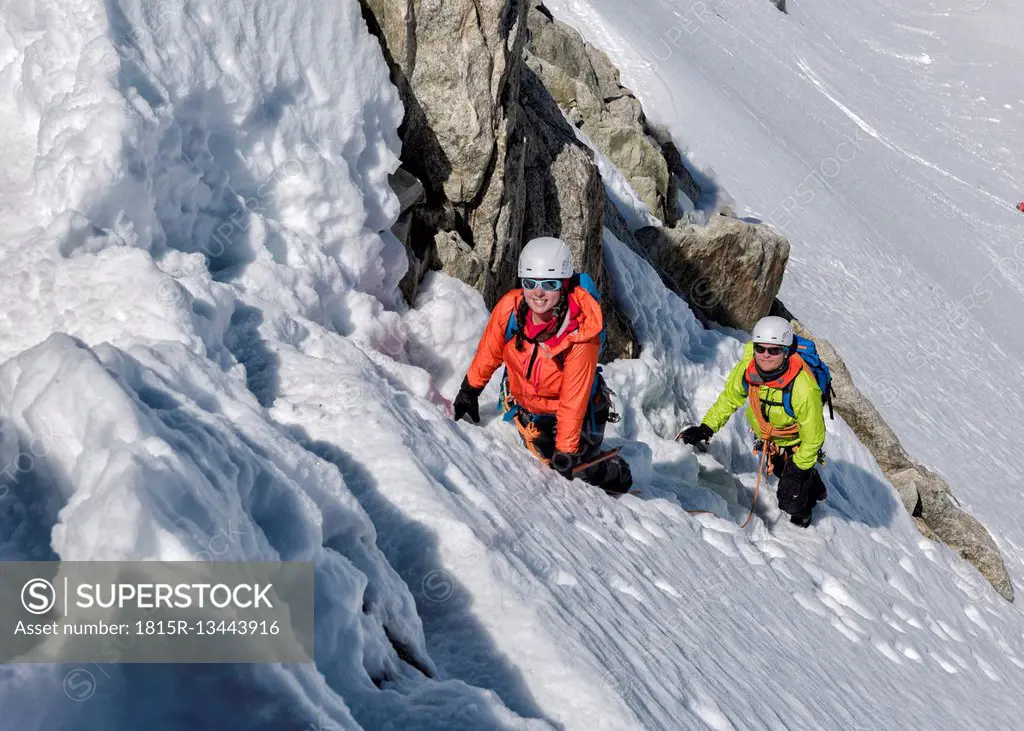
[(769, 349), (548, 285)]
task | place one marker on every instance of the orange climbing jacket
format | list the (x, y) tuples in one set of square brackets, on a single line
[(555, 376)]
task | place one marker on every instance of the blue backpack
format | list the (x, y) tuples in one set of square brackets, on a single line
[(809, 352)]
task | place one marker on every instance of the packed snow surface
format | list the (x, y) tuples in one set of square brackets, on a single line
[(205, 355)]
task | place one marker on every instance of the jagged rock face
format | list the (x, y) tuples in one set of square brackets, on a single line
[(452, 61), (584, 82), (499, 163), (565, 198), (456, 64), (730, 270)]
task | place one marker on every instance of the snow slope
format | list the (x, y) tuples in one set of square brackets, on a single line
[(206, 356), (884, 140)]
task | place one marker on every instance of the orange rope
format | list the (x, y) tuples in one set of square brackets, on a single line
[(768, 433), (531, 434), (757, 485)]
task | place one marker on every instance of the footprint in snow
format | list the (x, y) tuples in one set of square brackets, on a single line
[(886, 649), (592, 533), (975, 616), (844, 630), (751, 555), (896, 582), (943, 663), (667, 588), (908, 651), (907, 564), (653, 528), (838, 591), (810, 605), (720, 541), (771, 548), (704, 707), (635, 532), (564, 579), (988, 670), (781, 567), (958, 660), (625, 587), (840, 613), (894, 623), (906, 616)]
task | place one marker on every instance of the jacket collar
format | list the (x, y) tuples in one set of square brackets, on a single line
[(791, 370)]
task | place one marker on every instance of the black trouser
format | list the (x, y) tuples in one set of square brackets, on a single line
[(612, 474), (797, 494)]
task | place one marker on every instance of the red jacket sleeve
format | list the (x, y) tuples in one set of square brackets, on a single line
[(574, 395), (489, 352)]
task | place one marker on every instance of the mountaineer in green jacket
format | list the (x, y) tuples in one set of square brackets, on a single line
[(784, 409)]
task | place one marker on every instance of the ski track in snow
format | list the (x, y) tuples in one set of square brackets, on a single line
[(820, 85)]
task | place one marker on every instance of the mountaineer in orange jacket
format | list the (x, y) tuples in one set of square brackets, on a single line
[(548, 335)]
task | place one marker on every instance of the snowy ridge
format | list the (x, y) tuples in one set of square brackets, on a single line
[(170, 186), (206, 353)]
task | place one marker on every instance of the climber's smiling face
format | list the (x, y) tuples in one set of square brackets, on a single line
[(769, 356), (542, 294)]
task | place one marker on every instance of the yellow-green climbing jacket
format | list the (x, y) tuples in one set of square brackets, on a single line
[(806, 404)]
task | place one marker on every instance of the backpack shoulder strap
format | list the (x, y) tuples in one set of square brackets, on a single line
[(587, 282), (511, 327)]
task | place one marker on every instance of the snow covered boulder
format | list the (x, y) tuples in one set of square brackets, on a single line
[(730, 270)]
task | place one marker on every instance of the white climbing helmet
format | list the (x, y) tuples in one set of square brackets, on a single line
[(774, 330), (545, 258)]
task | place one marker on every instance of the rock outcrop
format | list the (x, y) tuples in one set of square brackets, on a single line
[(457, 66), (730, 270), (584, 83), (498, 162)]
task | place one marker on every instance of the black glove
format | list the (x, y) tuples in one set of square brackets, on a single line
[(563, 463), (467, 403), (695, 434)]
